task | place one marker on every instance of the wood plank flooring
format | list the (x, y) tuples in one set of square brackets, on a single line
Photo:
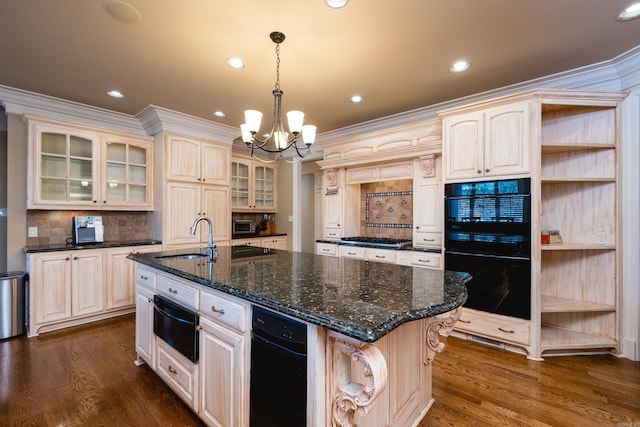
[(85, 376)]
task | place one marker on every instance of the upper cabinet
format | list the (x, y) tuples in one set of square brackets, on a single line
[(253, 186), (73, 167), (490, 142), (428, 209), (193, 160)]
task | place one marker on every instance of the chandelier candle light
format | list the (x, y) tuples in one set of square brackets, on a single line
[(277, 141)]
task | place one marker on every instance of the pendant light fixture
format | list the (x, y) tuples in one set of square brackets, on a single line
[(278, 140)]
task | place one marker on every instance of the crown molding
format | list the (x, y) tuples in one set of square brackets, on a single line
[(156, 119), (19, 101)]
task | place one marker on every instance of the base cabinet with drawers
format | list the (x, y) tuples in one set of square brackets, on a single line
[(273, 242), (69, 288), (217, 387), (414, 258)]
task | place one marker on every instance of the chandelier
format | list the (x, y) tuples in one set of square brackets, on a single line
[(278, 140)]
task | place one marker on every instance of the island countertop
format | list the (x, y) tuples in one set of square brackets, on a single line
[(360, 299)]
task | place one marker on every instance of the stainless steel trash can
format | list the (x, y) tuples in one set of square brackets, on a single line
[(12, 304)]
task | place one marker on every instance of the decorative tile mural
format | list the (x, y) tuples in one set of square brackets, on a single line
[(391, 209)]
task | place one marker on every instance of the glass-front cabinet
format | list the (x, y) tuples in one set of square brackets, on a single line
[(83, 168), (253, 186)]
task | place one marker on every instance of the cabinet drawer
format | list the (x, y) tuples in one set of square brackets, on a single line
[(178, 292), (427, 239), (332, 233), (352, 252), (424, 259), (380, 255), (495, 326), (178, 372), (224, 311), (145, 277), (327, 249)]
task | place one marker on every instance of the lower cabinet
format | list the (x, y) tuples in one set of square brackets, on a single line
[(68, 288), (217, 387), (494, 329), (273, 242)]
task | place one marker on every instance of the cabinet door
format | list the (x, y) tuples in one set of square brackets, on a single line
[(507, 140), (223, 383), (240, 179), (87, 282), (183, 159), (215, 204), (50, 279), (64, 168), (463, 146), (127, 174), (120, 280), (279, 242), (333, 210), (216, 160), (182, 208), (144, 325), (264, 187), (428, 212)]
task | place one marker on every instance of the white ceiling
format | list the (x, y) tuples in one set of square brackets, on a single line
[(395, 54)]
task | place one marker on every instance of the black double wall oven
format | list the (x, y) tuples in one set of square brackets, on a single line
[(488, 234)]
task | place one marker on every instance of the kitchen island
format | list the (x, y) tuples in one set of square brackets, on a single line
[(372, 330)]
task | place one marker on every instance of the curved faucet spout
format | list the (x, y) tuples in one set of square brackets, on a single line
[(211, 248)]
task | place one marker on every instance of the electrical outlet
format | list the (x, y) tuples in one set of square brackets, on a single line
[(33, 231), (601, 237)]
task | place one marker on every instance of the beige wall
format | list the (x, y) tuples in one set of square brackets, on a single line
[(16, 192), (3, 197), (285, 201)]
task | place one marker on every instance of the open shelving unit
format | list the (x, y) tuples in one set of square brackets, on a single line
[(579, 196)]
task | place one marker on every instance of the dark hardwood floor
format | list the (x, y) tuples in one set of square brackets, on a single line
[(85, 376)]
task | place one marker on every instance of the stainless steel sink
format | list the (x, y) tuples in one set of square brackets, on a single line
[(182, 256)]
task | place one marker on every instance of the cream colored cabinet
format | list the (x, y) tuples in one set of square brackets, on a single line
[(329, 249), (428, 199), (494, 141), (64, 285), (75, 167), (386, 172), (223, 369), (198, 161), (128, 171), (185, 202), (273, 242), (120, 278), (253, 186), (145, 339), (178, 372)]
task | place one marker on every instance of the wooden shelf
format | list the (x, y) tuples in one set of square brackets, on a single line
[(576, 247), (563, 305), (562, 339), (559, 147)]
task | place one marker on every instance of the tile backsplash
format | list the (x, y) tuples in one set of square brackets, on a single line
[(387, 209), (54, 227)]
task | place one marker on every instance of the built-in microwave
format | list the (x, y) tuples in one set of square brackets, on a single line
[(243, 228)]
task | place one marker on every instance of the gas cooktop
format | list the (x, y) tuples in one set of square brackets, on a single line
[(376, 241)]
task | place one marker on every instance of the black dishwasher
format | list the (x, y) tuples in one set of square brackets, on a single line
[(278, 395)]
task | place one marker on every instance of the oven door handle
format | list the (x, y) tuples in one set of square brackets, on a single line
[(171, 316), (517, 258), (268, 342)]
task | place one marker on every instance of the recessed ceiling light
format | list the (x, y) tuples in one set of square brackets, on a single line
[(459, 66), (632, 12), (115, 94), (219, 114), (122, 11), (336, 4), (356, 99), (235, 62)]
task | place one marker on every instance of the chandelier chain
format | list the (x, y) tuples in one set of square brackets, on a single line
[(278, 66)]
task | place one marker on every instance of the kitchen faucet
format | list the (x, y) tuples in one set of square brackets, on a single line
[(211, 251)]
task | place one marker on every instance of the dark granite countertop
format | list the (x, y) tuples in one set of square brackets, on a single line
[(103, 245), (369, 245), (361, 299)]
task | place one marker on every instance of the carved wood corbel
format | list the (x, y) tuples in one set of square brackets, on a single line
[(428, 165), (441, 324), (352, 397)]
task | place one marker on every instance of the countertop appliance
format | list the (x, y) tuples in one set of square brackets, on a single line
[(278, 356), (177, 326), (488, 235), (88, 229), (243, 228), (385, 242)]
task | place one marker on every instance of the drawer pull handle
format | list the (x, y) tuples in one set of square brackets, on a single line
[(351, 253), (173, 291), (428, 240), (508, 331), (325, 250), (464, 321), (381, 256), (216, 310), (172, 369), (425, 260)]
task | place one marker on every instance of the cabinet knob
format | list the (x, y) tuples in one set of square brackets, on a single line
[(95, 201), (199, 179), (479, 171), (67, 259), (204, 179), (104, 201), (487, 170), (204, 214), (75, 257), (149, 300), (417, 227)]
